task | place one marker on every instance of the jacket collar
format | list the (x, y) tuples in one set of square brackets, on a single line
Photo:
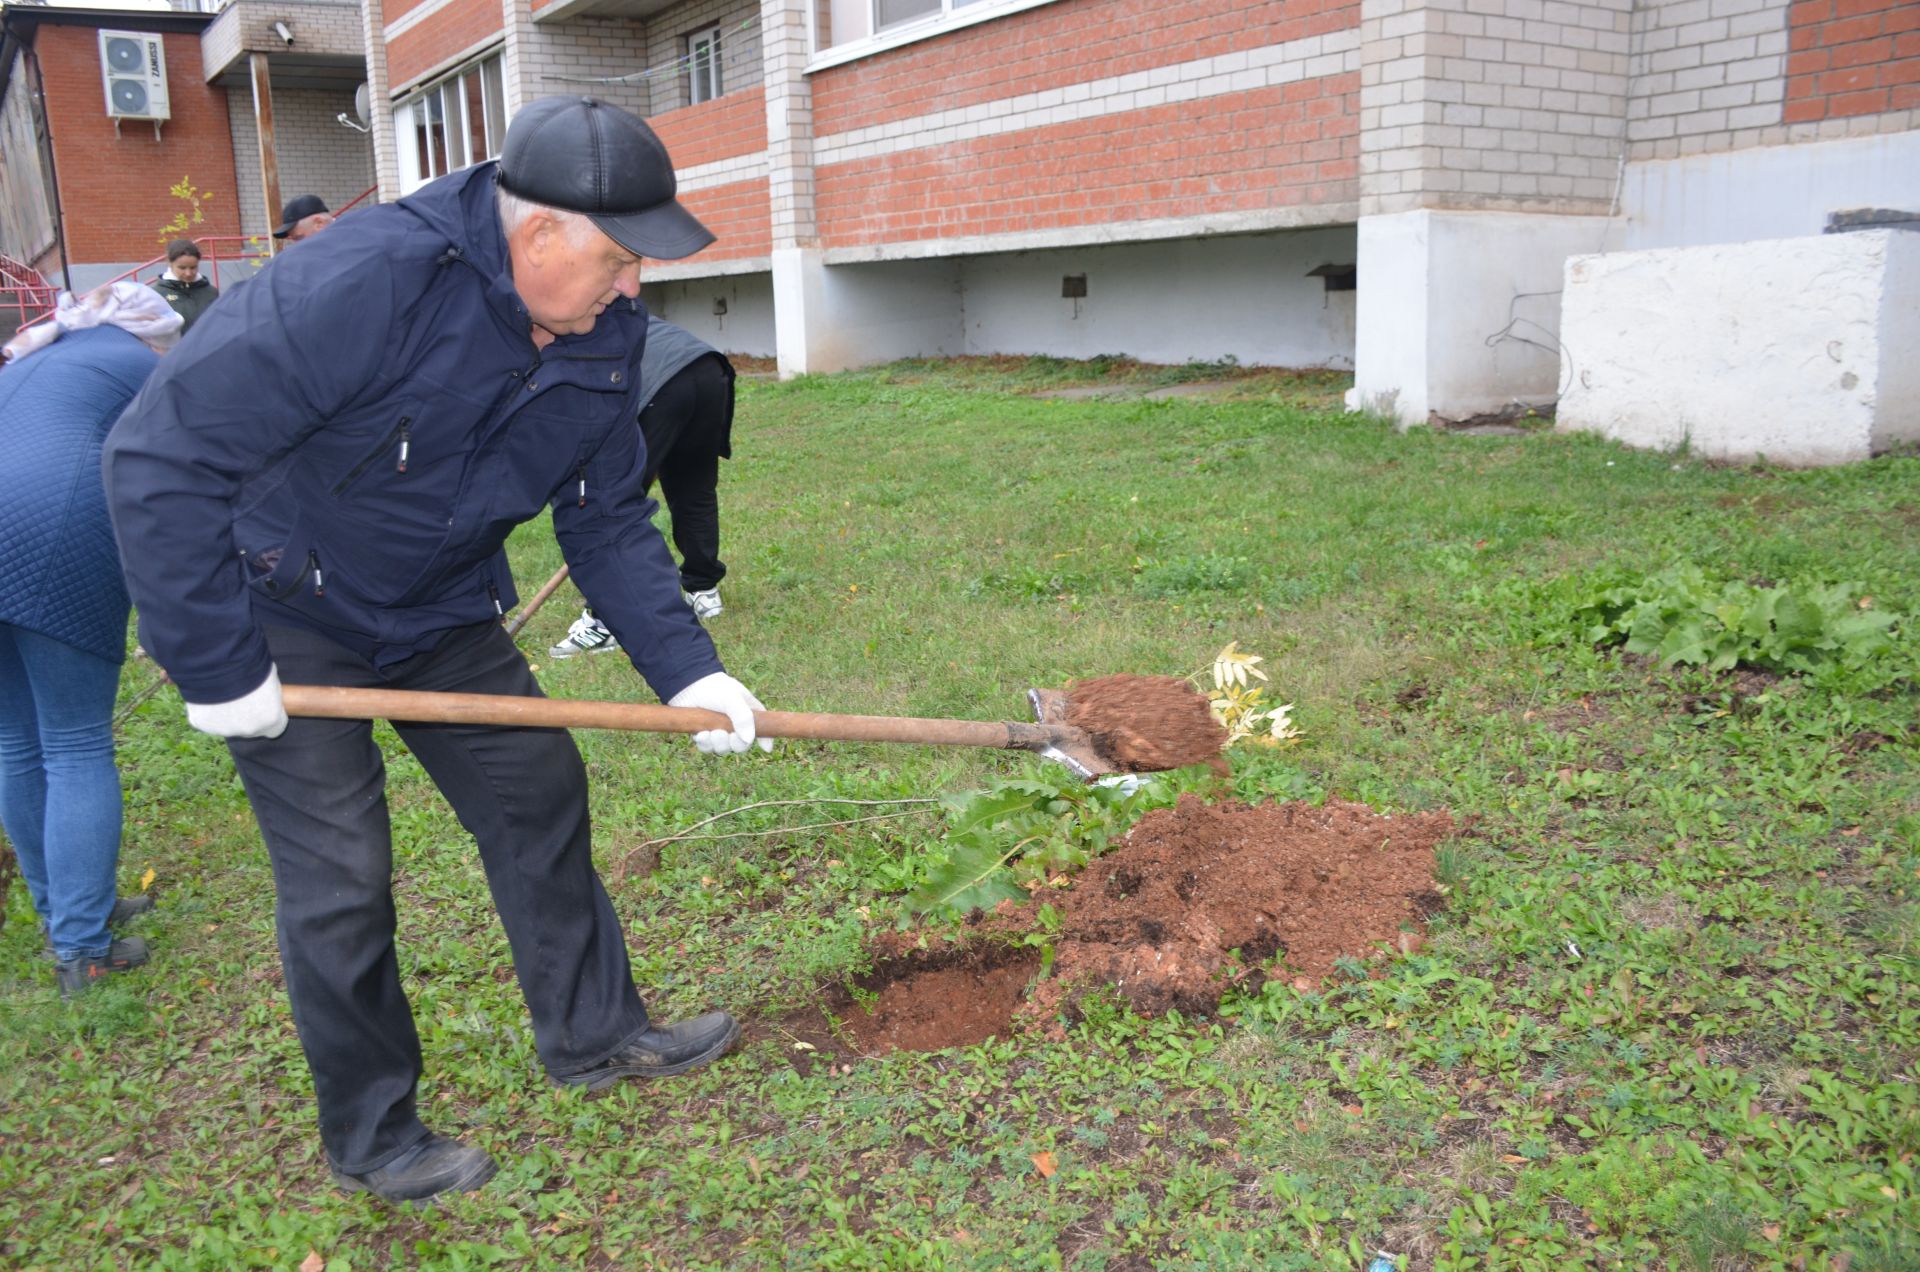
[(462, 208)]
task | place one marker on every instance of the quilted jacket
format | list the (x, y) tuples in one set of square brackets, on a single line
[(346, 442), (59, 573)]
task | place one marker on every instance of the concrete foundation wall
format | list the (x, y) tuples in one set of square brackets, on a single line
[(1459, 311), (1245, 297), (1792, 349), (1765, 192), (746, 327)]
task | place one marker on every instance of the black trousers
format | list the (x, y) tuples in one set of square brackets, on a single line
[(687, 426), (319, 793)]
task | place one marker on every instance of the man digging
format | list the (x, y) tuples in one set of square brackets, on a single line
[(318, 485)]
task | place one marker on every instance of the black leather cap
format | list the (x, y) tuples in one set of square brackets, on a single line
[(582, 155)]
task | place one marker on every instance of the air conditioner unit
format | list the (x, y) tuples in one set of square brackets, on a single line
[(133, 65)]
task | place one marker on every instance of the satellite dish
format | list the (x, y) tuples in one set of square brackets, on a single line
[(363, 105)]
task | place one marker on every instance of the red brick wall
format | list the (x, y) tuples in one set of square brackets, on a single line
[(114, 191), (1070, 42), (730, 125), (433, 40), (1295, 144), (738, 214), (1852, 57), (394, 10)]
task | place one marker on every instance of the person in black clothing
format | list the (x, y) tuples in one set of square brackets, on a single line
[(321, 484), (182, 287), (687, 422)]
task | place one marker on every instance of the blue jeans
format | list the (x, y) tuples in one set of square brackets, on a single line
[(59, 790)]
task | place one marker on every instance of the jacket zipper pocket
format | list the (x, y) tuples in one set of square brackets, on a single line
[(581, 473), (399, 433), (313, 568)]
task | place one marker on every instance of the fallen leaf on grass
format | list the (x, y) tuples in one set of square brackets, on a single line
[(146, 880), (1771, 1232), (1513, 1159), (1044, 1163), (313, 1262)]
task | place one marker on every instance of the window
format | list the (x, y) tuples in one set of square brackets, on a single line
[(853, 27), (460, 120), (703, 66)]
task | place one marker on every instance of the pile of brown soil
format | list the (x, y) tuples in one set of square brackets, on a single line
[(1144, 724), (1159, 918)]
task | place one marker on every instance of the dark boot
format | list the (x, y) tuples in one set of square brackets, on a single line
[(77, 976), (124, 908), (433, 1166), (661, 1052)]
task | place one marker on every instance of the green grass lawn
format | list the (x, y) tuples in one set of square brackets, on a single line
[(1669, 1017)]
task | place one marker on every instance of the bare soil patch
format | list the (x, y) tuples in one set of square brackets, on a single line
[(1161, 917), (1194, 901), (949, 995)]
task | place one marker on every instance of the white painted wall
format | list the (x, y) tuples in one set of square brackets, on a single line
[(1459, 311), (836, 317), (747, 327), (1242, 296), (1897, 410), (1789, 348), (1764, 192), (1391, 354)]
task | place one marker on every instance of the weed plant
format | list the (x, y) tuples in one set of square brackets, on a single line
[(1668, 1018)]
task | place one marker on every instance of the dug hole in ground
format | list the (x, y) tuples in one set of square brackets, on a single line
[(1194, 901)]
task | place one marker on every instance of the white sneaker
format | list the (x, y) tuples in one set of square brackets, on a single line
[(587, 636), (705, 604)]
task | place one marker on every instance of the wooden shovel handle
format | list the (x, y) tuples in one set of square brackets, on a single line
[(335, 702), (532, 607)]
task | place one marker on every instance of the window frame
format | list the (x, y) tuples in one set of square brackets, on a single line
[(715, 86), (425, 149), (952, 15)]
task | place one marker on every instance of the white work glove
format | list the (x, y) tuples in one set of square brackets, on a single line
[(260, 714), (721, 692)]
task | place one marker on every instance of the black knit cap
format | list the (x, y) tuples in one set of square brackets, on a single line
[(582, 155)]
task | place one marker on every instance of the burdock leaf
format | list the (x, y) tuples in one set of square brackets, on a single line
[(973, 877)]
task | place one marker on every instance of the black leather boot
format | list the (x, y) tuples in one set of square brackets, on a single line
[(661, 1052), (435, 1165)]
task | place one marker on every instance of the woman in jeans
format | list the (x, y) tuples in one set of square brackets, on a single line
[(63, 616)]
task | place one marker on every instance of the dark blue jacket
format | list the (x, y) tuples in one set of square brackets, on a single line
[(345, 443), (59, 573)]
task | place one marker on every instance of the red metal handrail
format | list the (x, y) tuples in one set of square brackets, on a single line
[(24, 290), (247, 247)]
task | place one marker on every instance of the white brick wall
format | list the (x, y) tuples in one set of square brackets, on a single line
[(592, 56), (318, 26), (318, 154), (740, 53), (1495, 104), (1702, 71)]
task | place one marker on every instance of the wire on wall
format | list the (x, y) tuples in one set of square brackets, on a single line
[(679, 65)]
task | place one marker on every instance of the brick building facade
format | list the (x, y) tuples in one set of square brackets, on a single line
[(1180, 179), (89, 200)]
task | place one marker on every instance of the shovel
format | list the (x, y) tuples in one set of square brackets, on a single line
[(1050, 737)]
